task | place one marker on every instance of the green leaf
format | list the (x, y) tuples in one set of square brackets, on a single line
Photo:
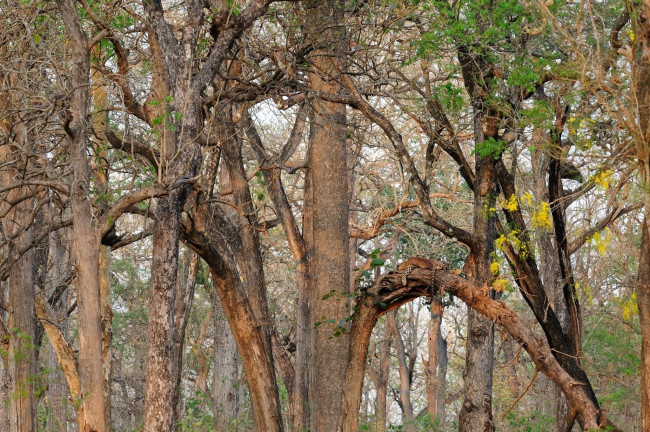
[(37, 38)]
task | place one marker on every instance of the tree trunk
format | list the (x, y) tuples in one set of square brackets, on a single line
[(404, 375), (57, 389), (86, 239), (21, 350), (159, 401), (185, 295), (476, 412), (643, 302), (382, 380), (259, 368), (436, 365), (100, 185), (329, 182), (21, 336), (225, 394)]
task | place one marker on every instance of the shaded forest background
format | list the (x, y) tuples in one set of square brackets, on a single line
[(326, 216)]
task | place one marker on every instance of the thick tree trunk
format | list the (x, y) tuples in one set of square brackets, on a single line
[(87, 242), (159, 402), (21, 350), (100, 185), (259, 368), (329, 182)]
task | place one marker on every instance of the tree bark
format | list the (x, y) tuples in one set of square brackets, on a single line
[(643, 302), (404, 374), (476, 412), (225, 394), (329, 182), (382, 381), (159, 391), (185, 296), (436, 365), (87, 241)]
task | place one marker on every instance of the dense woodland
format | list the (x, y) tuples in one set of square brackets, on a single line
[(354, 215)]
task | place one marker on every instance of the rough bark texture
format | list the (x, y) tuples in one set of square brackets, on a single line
[(476, 412), (225, 388), (100, 185), (329, 182), (21, 350), (19, 334), (643, 302), (159, 404), (86, 245)]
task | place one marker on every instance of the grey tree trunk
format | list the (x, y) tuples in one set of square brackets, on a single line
[(404, 378), (225, 395), (57, 390)]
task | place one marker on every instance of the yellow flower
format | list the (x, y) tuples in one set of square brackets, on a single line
[(500, 285), (511, 204), (601, 241), (494, 267), (543, 218), (603, 178)]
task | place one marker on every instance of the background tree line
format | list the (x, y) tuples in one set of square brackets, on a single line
[(205, 205)]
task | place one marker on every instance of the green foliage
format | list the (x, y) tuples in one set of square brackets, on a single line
[(530, 422), (490, 147), (197, 415)]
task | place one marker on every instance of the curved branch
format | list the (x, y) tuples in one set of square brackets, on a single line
[(389, 292)]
